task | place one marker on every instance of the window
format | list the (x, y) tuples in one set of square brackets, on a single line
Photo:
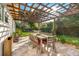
[(6, 17), (0, 12)]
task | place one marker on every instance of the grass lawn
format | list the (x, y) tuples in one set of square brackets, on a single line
[(25, 34), (22, 33), (69, 39)]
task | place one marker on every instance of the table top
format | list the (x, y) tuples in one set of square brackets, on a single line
[(42, 36)]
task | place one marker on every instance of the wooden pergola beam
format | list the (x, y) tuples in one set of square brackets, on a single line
[(40, 13), (39, 10)]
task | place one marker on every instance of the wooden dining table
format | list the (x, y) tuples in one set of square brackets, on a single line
[(42, 39), (42, 42)]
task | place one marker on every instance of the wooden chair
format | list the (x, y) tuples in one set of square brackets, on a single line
[(51, 49), (35, 42)]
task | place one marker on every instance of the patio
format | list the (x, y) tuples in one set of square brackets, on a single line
[(42, 43), (41, 29), (25, 48)]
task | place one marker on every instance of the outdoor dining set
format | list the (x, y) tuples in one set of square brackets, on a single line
[(43, 43)]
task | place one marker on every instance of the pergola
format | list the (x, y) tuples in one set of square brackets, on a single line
[(40, 12)]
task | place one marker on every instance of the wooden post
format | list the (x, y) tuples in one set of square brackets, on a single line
[(38, 27), (54, 38), (53, 30), (7, 47)]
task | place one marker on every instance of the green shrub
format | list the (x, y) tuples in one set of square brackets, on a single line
[(68, 39)]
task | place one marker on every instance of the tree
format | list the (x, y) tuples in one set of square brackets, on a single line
[(32, 25), (69, 24), (47, 27)]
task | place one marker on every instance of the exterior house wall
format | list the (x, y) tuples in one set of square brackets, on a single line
[(6, 28), (1, 48)]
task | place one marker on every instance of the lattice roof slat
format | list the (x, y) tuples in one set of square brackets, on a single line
[(41, 11)]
